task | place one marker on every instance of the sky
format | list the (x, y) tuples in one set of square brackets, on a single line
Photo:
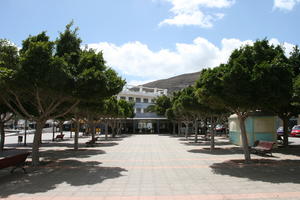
[(146, 40)]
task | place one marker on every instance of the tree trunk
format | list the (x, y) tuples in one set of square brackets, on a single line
[(53, 131), (106, 130), (180, 127), (120, 124), (25, 133), (71, 124), (113, 134), (2, 137), (242, 119), (36, 142), (205, 129), (76, 135), (93, 130), (186, 130), (196, 131), (112, 125), (174, 128), (285, 120), (61, 128), (212, 134), (41, 135)]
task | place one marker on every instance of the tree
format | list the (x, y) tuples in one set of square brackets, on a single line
[(126, 110), (199, 108), (113, 112), (249, 81), (181, 113), (161, 104), (163, 107), (55, 73), (8, 62)]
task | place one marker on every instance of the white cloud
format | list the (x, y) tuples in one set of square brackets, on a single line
[(188, 12), (285, 4), (288, 47), (136, 59)]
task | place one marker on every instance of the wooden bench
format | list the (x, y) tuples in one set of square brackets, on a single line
[(15, 161), (92, 142), (60, 137), (263, 147)]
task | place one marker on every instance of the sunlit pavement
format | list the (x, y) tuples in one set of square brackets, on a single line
[(154, 167)]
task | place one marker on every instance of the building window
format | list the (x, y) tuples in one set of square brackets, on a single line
[(138, 100), (123, 98), (138, 110), (130, 99), (152, 101), (146, 101)]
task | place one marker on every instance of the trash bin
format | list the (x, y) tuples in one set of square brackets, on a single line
[(20, 139)]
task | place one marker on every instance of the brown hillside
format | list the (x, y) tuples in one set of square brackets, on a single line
[(175, 83)]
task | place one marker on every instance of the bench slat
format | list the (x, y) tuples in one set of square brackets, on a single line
[(13, 161), (263, 147)]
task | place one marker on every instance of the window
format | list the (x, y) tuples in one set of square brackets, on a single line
[(138, 100), (123, 98), (146, 101), (138, 110), (130, 99)]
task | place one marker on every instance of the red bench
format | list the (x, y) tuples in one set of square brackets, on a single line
[(60, 137), (92, 142), (263, 147), (15, 161)]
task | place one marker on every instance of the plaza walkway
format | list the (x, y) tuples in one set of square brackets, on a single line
[(153, 167)]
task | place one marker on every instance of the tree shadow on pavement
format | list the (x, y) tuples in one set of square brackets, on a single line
[(218, 151), (69, 153), (205, 143), (68, 173), (266, 170), (172, 135), (106, 144), (116, 139), (290, 150)]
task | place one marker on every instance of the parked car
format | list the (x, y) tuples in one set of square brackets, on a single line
[(280, 131), (220, 129), (295, 131)]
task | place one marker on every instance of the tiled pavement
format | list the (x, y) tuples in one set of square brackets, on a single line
[(153, 167)]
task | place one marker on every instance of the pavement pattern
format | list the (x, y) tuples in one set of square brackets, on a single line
[(153, 167)]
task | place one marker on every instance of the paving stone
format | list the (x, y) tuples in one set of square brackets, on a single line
[(151, 167)]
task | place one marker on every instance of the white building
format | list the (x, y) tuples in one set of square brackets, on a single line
[(144, 122), (143, 97)]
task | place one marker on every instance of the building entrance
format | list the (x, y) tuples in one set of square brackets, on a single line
[(145, 126)]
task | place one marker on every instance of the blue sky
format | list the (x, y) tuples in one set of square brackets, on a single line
[(146, 40)]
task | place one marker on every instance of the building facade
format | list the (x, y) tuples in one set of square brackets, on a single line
[(144, 121)]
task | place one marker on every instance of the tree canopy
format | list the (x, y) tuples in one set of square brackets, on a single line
[(254, 78), (52, 74)]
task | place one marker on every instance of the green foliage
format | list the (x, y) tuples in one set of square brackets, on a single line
[(47, 79), (294, 60), (8, 55), (94, 79), (255, 77), (9, 63), (112, 108), (162, 103), (127, 107), (60, 73)]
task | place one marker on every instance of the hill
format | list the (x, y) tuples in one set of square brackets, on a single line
[(175, 83)]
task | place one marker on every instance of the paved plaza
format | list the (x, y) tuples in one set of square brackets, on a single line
[(152, 167)]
